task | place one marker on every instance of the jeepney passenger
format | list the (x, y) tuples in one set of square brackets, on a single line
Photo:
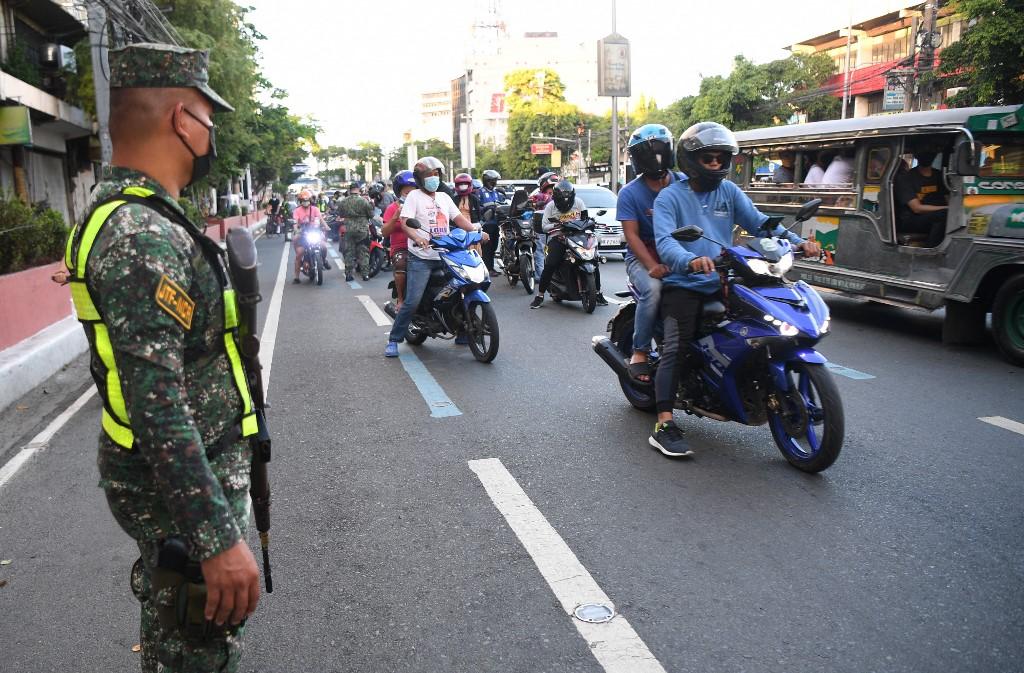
[(921, 199)]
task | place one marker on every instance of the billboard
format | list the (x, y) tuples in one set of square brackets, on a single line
[(15, 126), (497, 103), (613, 66)]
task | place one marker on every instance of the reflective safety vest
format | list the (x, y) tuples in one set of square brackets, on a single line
[(116, 423)]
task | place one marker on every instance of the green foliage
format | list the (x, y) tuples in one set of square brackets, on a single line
[(81, 89), (191, 212), (988, 60), (245, 209), (29, 236), (234, 211), (18, 64), (533, 87)]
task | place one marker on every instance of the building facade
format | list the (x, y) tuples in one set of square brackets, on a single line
[(435, 119), (45, 142), (882, 51)]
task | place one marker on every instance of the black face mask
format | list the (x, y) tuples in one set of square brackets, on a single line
[(201, 165)]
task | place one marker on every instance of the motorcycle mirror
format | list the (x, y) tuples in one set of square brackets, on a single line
[(413, 223), (688, 234), (772, 222), (808, 210), (518, 198), (601, 212)]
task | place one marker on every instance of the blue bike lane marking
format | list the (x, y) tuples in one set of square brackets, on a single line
[(847, 372), (437, 400)]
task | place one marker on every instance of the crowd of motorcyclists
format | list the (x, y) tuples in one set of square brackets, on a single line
[(676, 184)]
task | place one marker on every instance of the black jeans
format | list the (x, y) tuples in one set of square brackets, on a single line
[(490, 246), (556, 255), (680, 312), (933, 224)]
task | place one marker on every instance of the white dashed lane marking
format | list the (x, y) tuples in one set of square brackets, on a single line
[(1004, 423)]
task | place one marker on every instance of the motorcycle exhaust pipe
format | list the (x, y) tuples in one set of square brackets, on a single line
[(608, 352), (390, 309)]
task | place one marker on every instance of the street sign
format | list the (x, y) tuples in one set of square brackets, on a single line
[(556, 159), (613, 66), (15, 126), (894, 97), (542, 148)]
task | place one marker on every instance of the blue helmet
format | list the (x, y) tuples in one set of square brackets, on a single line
[(477, 186), (650, 150), (403, 179)]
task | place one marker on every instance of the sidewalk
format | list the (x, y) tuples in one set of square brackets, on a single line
[(33, 360)]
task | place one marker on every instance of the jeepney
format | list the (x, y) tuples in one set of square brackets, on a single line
[(977, 269)]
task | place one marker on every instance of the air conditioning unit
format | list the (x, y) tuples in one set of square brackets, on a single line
[(50, 56)]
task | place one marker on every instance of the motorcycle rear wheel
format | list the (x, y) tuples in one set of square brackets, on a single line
[(482, 331), (809, 427), (634, 395), (415, 335), (376, 262), (526, 273)]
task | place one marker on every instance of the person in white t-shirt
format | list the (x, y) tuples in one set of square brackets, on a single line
[(817, 170), (839, 171), (436, 212)]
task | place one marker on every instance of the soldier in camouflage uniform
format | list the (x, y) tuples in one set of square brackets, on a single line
[(357, 212), (172, 461)]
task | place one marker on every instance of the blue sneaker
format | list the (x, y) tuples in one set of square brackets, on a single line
[(461, 339), (391, 350)]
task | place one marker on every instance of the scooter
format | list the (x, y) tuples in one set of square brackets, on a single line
[(455, 299), (518, 241), (576, 277), (753, 359), (380, 255)]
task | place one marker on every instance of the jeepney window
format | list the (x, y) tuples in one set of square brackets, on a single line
[(999, 158), (805, 179), (878, 159)]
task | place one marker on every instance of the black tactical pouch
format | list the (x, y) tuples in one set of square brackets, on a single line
[(179, 592)]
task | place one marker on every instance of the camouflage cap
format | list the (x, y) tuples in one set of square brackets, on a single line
[(150, 65)]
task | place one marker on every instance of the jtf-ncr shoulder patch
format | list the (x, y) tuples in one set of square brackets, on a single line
[(171, 298)]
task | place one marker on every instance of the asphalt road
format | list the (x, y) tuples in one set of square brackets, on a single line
[(390, 555)]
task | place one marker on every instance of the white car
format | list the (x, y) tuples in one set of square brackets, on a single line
[(609, 230)]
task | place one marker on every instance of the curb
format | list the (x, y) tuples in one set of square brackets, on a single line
[(35, 359)]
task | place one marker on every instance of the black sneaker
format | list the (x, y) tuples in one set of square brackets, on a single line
[(601, 301), (668, 438), (537, 301), (349, 278), (365, 278), (327, 265), (296, 281)]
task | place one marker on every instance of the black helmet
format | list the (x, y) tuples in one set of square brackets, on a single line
[(425, 166), (706, 137), (564, 195), (490, 178), (376, 189), (650, 150)]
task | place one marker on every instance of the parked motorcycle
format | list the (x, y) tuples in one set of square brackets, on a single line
[(380, 254), (753, 359), (517, 241), (455, 299), (275, 224), (314, 249), (576, 277)]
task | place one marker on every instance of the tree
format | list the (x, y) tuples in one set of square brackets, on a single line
[(988, 60)]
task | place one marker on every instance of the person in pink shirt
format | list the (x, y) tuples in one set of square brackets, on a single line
[(306, 215), (403, 183)]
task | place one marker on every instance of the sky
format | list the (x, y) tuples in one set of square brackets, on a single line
[(359, 67)]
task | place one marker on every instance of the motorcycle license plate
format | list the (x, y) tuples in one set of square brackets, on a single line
[(609, 240)]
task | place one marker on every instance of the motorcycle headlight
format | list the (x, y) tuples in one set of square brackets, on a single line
[(474, 274), (784, 264), (825, 325), (763, 267), (314, 237), (760, 267)]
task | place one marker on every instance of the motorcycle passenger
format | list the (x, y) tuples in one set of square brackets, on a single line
[(702, 197), (434, 210), (650, 151), (357, 212), (538, 200), (465, 199), (306, 215), (403, 184), (491, 195), (564, 206)]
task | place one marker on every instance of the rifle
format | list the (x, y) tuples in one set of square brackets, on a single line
[(242, 262)]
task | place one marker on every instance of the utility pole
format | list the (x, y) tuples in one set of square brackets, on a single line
[(929, 40), (614, 166), (101, 81), (846, 69), (910, 83)]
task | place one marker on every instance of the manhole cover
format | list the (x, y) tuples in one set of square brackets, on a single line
[(594, 613)]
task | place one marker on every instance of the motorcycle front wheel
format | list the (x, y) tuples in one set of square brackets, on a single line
[(482, 331), (376, 262), (526, 273), (415, 334), (809, 425), (316, 266), (588, 293)]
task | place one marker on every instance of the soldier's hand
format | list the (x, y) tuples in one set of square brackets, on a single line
[(232, 584)]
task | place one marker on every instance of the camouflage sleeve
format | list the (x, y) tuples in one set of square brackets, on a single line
[(149, 350)]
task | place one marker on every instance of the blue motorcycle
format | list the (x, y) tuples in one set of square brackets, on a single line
[(455, 301), (753, 359)]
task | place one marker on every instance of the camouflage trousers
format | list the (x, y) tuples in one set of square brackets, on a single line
[(170, 651), (357, 249)]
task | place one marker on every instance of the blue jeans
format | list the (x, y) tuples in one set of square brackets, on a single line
[(649, 290), (417, 277), (538, 256)]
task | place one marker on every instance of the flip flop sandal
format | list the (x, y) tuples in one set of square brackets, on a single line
[(638, 369)]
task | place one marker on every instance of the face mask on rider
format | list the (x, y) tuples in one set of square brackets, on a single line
[(201, 165), (431, 183)]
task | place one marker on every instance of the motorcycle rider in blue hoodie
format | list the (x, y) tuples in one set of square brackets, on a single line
[(704, 198)]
